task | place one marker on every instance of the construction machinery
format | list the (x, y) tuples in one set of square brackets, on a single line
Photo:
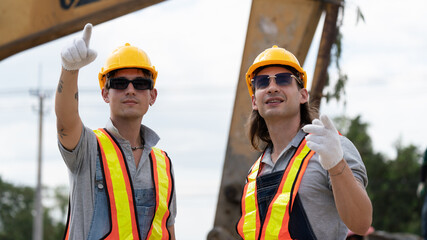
[(290, 24), (28, 23)]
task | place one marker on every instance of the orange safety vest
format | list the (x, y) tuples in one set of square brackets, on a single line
[(277, 218), (124, 222)]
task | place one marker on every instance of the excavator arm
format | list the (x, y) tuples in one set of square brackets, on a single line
[(27, 23)]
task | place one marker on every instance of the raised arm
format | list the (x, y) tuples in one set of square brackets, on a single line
[(74, 56), (351, 199)]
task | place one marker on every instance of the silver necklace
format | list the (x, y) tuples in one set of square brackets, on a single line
[(139, 147)]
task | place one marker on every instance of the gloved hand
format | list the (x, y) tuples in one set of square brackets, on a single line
[(420, 189), (77, 54), (324, 140)]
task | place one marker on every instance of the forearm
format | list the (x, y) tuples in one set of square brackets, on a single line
[(351, 199), (66, 108)]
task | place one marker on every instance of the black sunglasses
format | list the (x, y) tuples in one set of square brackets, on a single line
[(138, 83), (282, 79)]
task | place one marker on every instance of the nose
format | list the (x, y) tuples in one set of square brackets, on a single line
[(272, 86), (130, 89)]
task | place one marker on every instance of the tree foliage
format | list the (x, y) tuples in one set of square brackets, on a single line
[(392, 182), (338, 90), (16, 219)]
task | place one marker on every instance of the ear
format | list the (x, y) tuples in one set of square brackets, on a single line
[(304, 95), (105, 95), (254, 106), (153, 96)]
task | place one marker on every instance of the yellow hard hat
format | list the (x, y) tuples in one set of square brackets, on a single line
[(272, 56), (126, 56)]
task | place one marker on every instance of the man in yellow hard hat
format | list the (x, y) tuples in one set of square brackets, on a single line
[(121, 185), (309, 182)]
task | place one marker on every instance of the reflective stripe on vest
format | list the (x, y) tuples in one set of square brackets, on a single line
[(163, 182), (124, 223), (249, 224), (277, 218)]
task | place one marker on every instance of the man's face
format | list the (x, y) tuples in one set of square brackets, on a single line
[(129, 103), (278, 101)]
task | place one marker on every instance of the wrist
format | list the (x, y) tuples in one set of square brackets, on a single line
[(338, 169), (73, 71)]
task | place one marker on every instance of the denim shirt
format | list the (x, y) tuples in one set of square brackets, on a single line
[(144, 201)]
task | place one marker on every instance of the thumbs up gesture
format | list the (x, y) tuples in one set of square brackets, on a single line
[(78, 54), (324, 140)]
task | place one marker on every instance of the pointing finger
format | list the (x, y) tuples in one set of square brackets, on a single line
[(87, 32), (314, 129), (81, 48), (75, 54)]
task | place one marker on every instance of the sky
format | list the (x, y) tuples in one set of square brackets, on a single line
[(197, 47)]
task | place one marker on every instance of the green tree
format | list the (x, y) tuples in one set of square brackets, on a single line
[(392, 182), (16, 204), (16, 219)]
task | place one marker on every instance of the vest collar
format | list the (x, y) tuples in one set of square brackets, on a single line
[(293, 144)]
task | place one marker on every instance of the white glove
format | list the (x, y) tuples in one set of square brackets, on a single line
[(420, 189), (324, 140), (77, 54)]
